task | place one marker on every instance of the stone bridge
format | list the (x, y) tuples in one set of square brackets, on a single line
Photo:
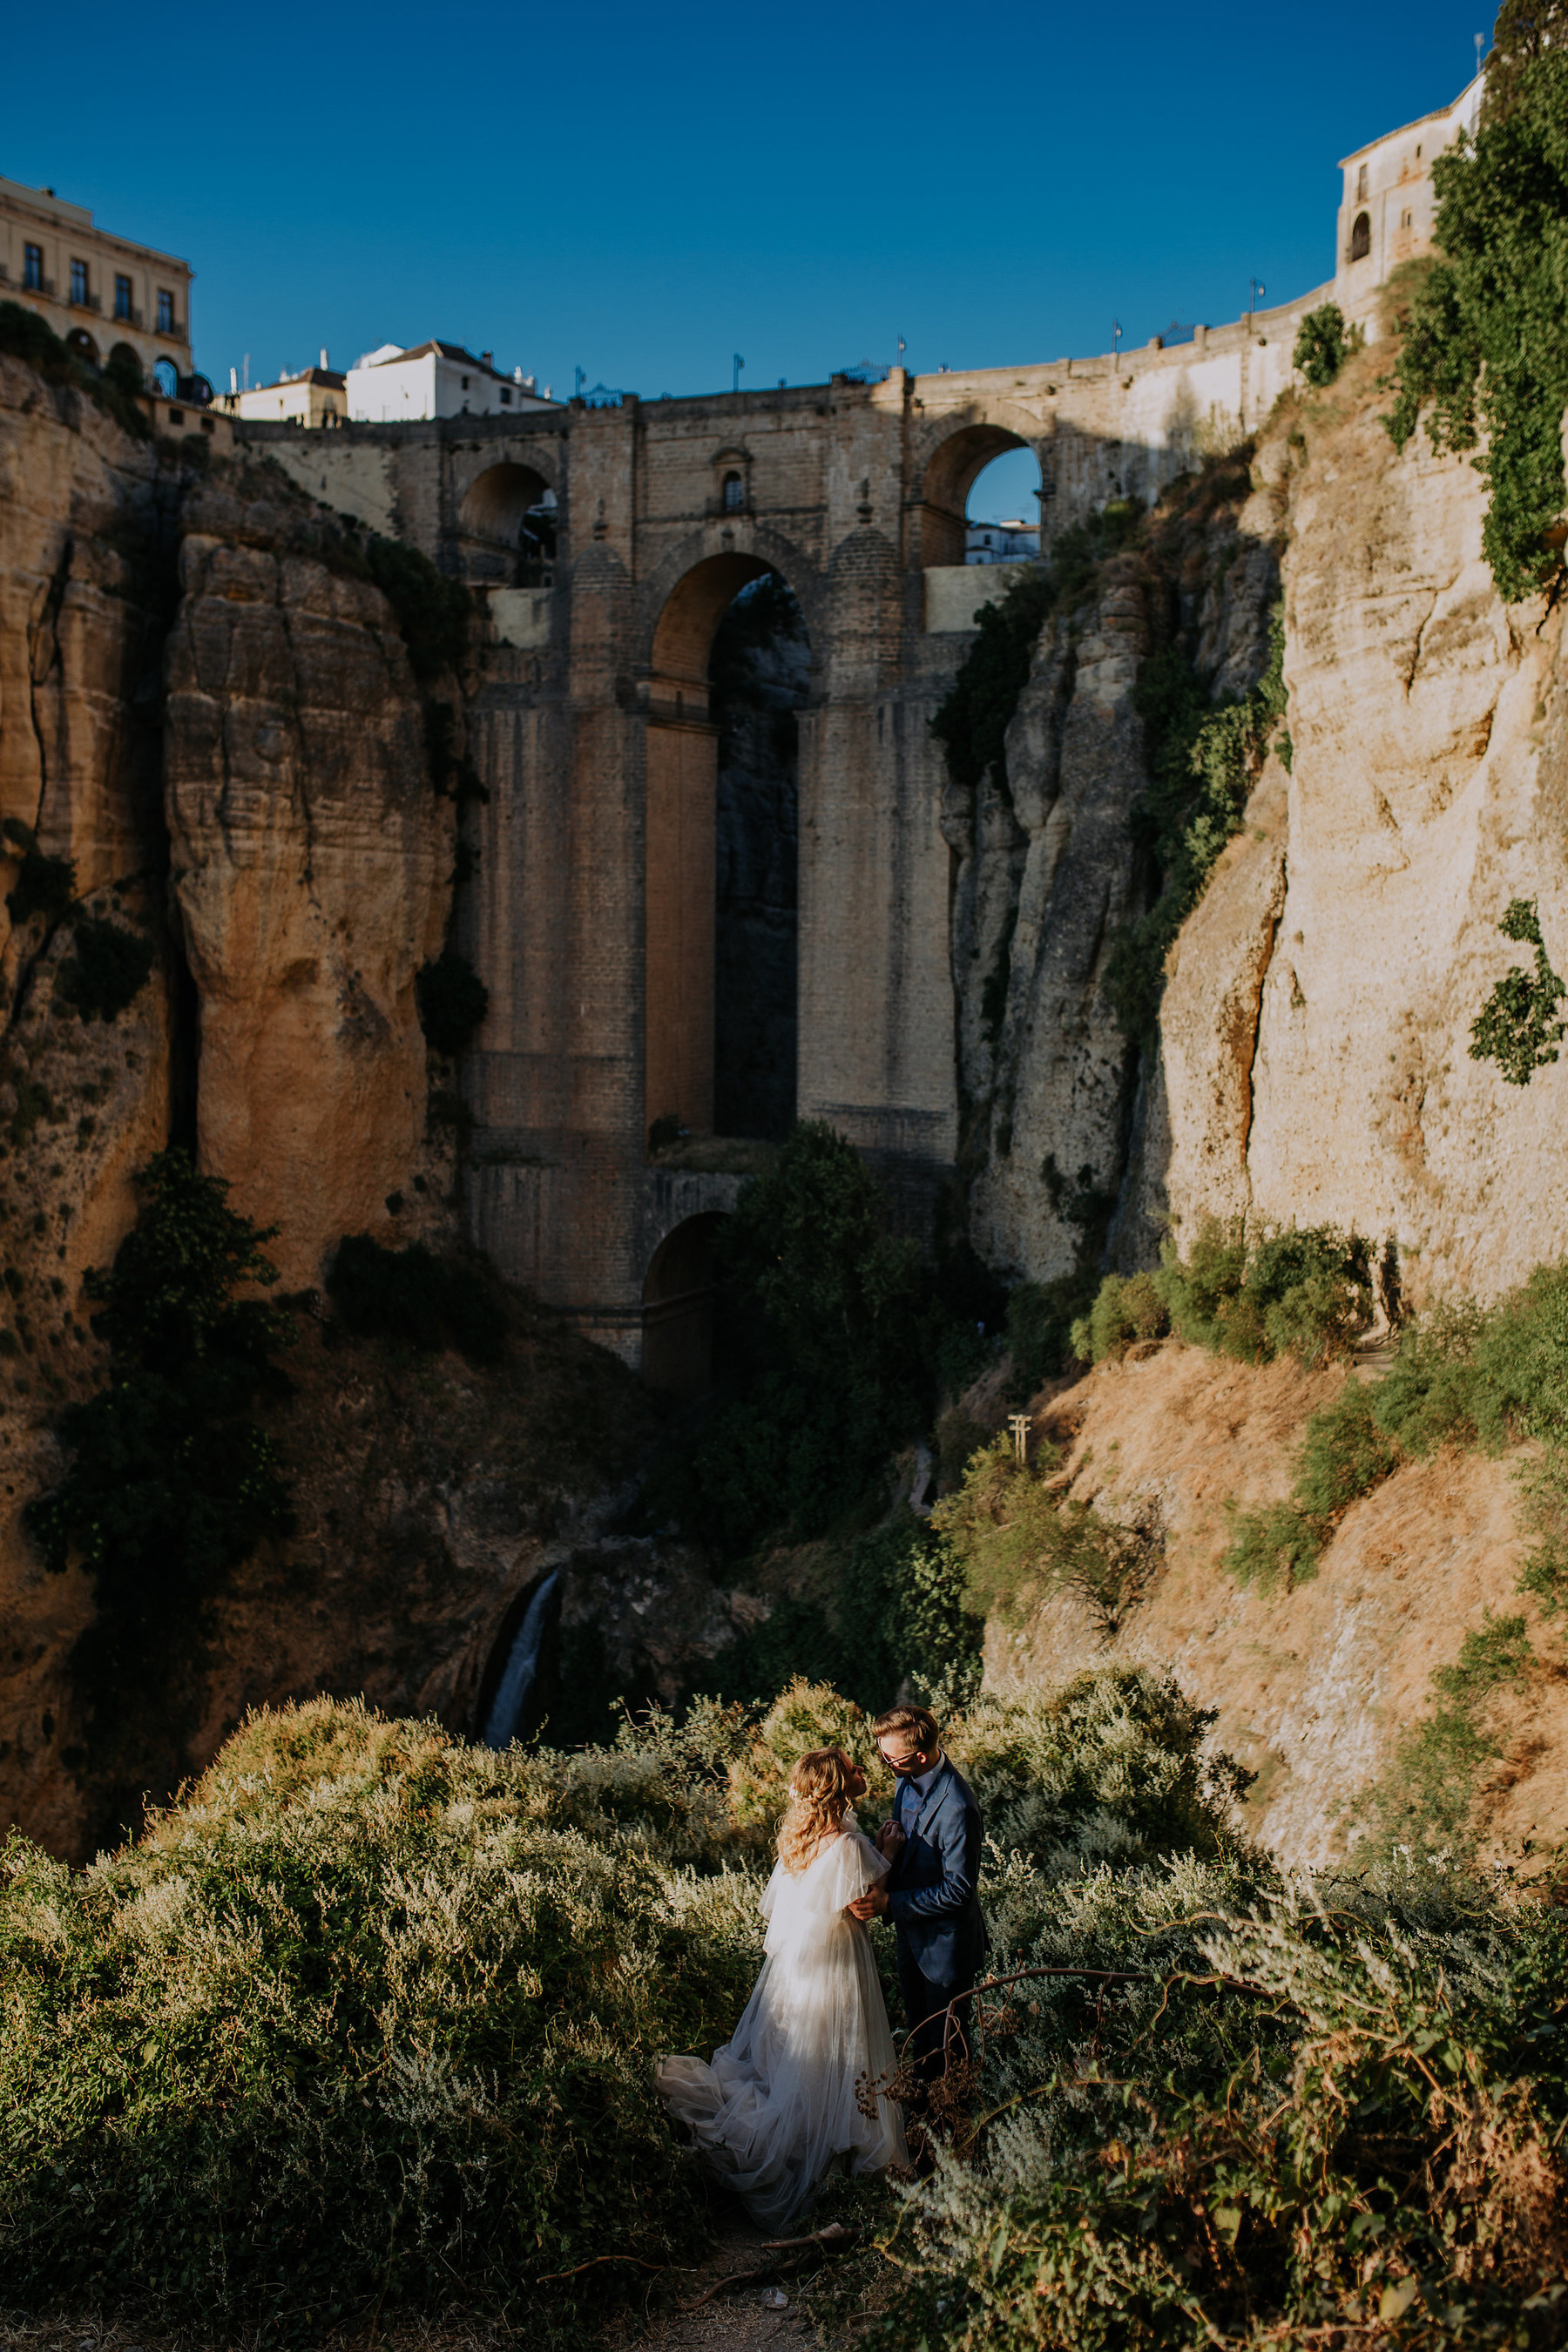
[(591, 916)]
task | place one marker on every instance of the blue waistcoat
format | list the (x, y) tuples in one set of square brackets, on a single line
[(931, 1887)]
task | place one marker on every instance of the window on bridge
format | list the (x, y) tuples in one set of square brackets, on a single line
[(734, 494), (757, 674), (1002, 513)]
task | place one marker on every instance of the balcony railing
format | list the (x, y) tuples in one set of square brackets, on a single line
[(87, 302)]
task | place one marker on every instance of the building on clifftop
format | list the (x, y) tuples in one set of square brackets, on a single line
[(1387, 204), (101, 294), (394, 386)]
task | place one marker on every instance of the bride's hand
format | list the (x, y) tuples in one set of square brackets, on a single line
[(869, 1905), (889, 1838)]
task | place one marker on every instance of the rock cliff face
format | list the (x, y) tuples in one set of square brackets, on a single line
[(1330, 978), (1312, 1057), (311, 863)]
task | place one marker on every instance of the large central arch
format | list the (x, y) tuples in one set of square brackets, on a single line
[(680, 843)]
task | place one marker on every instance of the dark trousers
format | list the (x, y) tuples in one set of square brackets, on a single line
[(935, 2036)]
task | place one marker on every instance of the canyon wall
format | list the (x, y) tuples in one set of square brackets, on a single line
[(1312, 1060)]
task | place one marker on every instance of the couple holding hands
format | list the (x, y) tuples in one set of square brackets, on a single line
[(797, 2089)]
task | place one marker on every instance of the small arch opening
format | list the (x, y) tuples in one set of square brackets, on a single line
[(679, 1297), (1360, 237), (81, 345), (166, 376), (1002, 512), (952, 475), (734, 493), (507, 523)]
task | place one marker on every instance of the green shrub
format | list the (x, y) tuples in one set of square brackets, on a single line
[(24, 336), (1323, 343), (1012, 1537), (171, 1484), (106, 970), (1516, 1027), (1203, 760), (413, 1295), (1345, 1454), (452, 999), (1278, 1546), (1306, 1291), (829, 1331), (1430, 1394), (1043, 1320), (369, 2020), (1484, 352), (1126, 1309), (44, 885), (432, 610), (1544, 1576), (1426, 1796)]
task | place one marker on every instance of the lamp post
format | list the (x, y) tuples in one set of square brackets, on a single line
[(740, 363)]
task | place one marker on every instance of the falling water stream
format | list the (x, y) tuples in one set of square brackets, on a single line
[(509, 1706)]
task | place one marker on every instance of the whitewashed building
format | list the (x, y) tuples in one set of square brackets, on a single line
[(1387, 201), (395, 387), (1002, 542), (311, 396)]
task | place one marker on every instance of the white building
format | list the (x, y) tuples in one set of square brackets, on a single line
[(1386, 202), (394, 386), (1002, 542), (312, 396)]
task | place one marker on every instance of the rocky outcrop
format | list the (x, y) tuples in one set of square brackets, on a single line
[(1314, 1039), (311, 865), (1050, 868)]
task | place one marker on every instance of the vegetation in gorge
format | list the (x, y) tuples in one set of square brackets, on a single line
[(171, 1482), (1484, 352), (1306, 1290), (411, 1294), (831, 1329), (1517, 1026), (106, 970), (1204, 758), (452, 1001), (1323, 343), (24, 336), (366, 2025)]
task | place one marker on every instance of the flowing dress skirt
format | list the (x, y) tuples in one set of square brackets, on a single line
[(781, 2102)]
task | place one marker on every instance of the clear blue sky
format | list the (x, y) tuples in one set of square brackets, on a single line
[(644, 191)]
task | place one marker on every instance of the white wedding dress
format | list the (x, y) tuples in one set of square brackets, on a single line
[(777, 2107)]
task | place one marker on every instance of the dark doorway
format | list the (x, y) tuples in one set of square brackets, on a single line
[(758, 680), (678, 1310)]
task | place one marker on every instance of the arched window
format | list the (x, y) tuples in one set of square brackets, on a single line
[(1360, 238), (734, 493), (166, 375)]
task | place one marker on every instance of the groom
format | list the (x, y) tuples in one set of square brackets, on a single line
[(932, 1843)]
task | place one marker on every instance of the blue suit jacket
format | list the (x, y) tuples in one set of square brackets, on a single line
[(932, 1898)]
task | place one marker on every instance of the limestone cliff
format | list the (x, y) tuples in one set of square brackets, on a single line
[(1330, 978), (311, 865), (1312, 1062), (210, 738)]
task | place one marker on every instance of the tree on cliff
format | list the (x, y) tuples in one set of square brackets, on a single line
[(1484, 351), (171, 1483), (1524, 31)]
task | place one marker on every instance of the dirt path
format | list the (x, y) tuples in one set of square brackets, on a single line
[(742, 2320)]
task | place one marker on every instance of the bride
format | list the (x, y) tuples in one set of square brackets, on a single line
[(778, 2105)]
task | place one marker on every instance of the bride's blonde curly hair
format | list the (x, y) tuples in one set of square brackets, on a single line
[(819, 1798)]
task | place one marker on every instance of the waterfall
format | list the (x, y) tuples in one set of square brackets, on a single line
[(507, 1708)]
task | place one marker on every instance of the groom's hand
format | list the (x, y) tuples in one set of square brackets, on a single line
[(870, 1904)]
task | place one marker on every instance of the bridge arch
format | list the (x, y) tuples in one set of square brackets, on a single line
[(950, 472), (679, 1291), (692, 949), (506, 525)]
